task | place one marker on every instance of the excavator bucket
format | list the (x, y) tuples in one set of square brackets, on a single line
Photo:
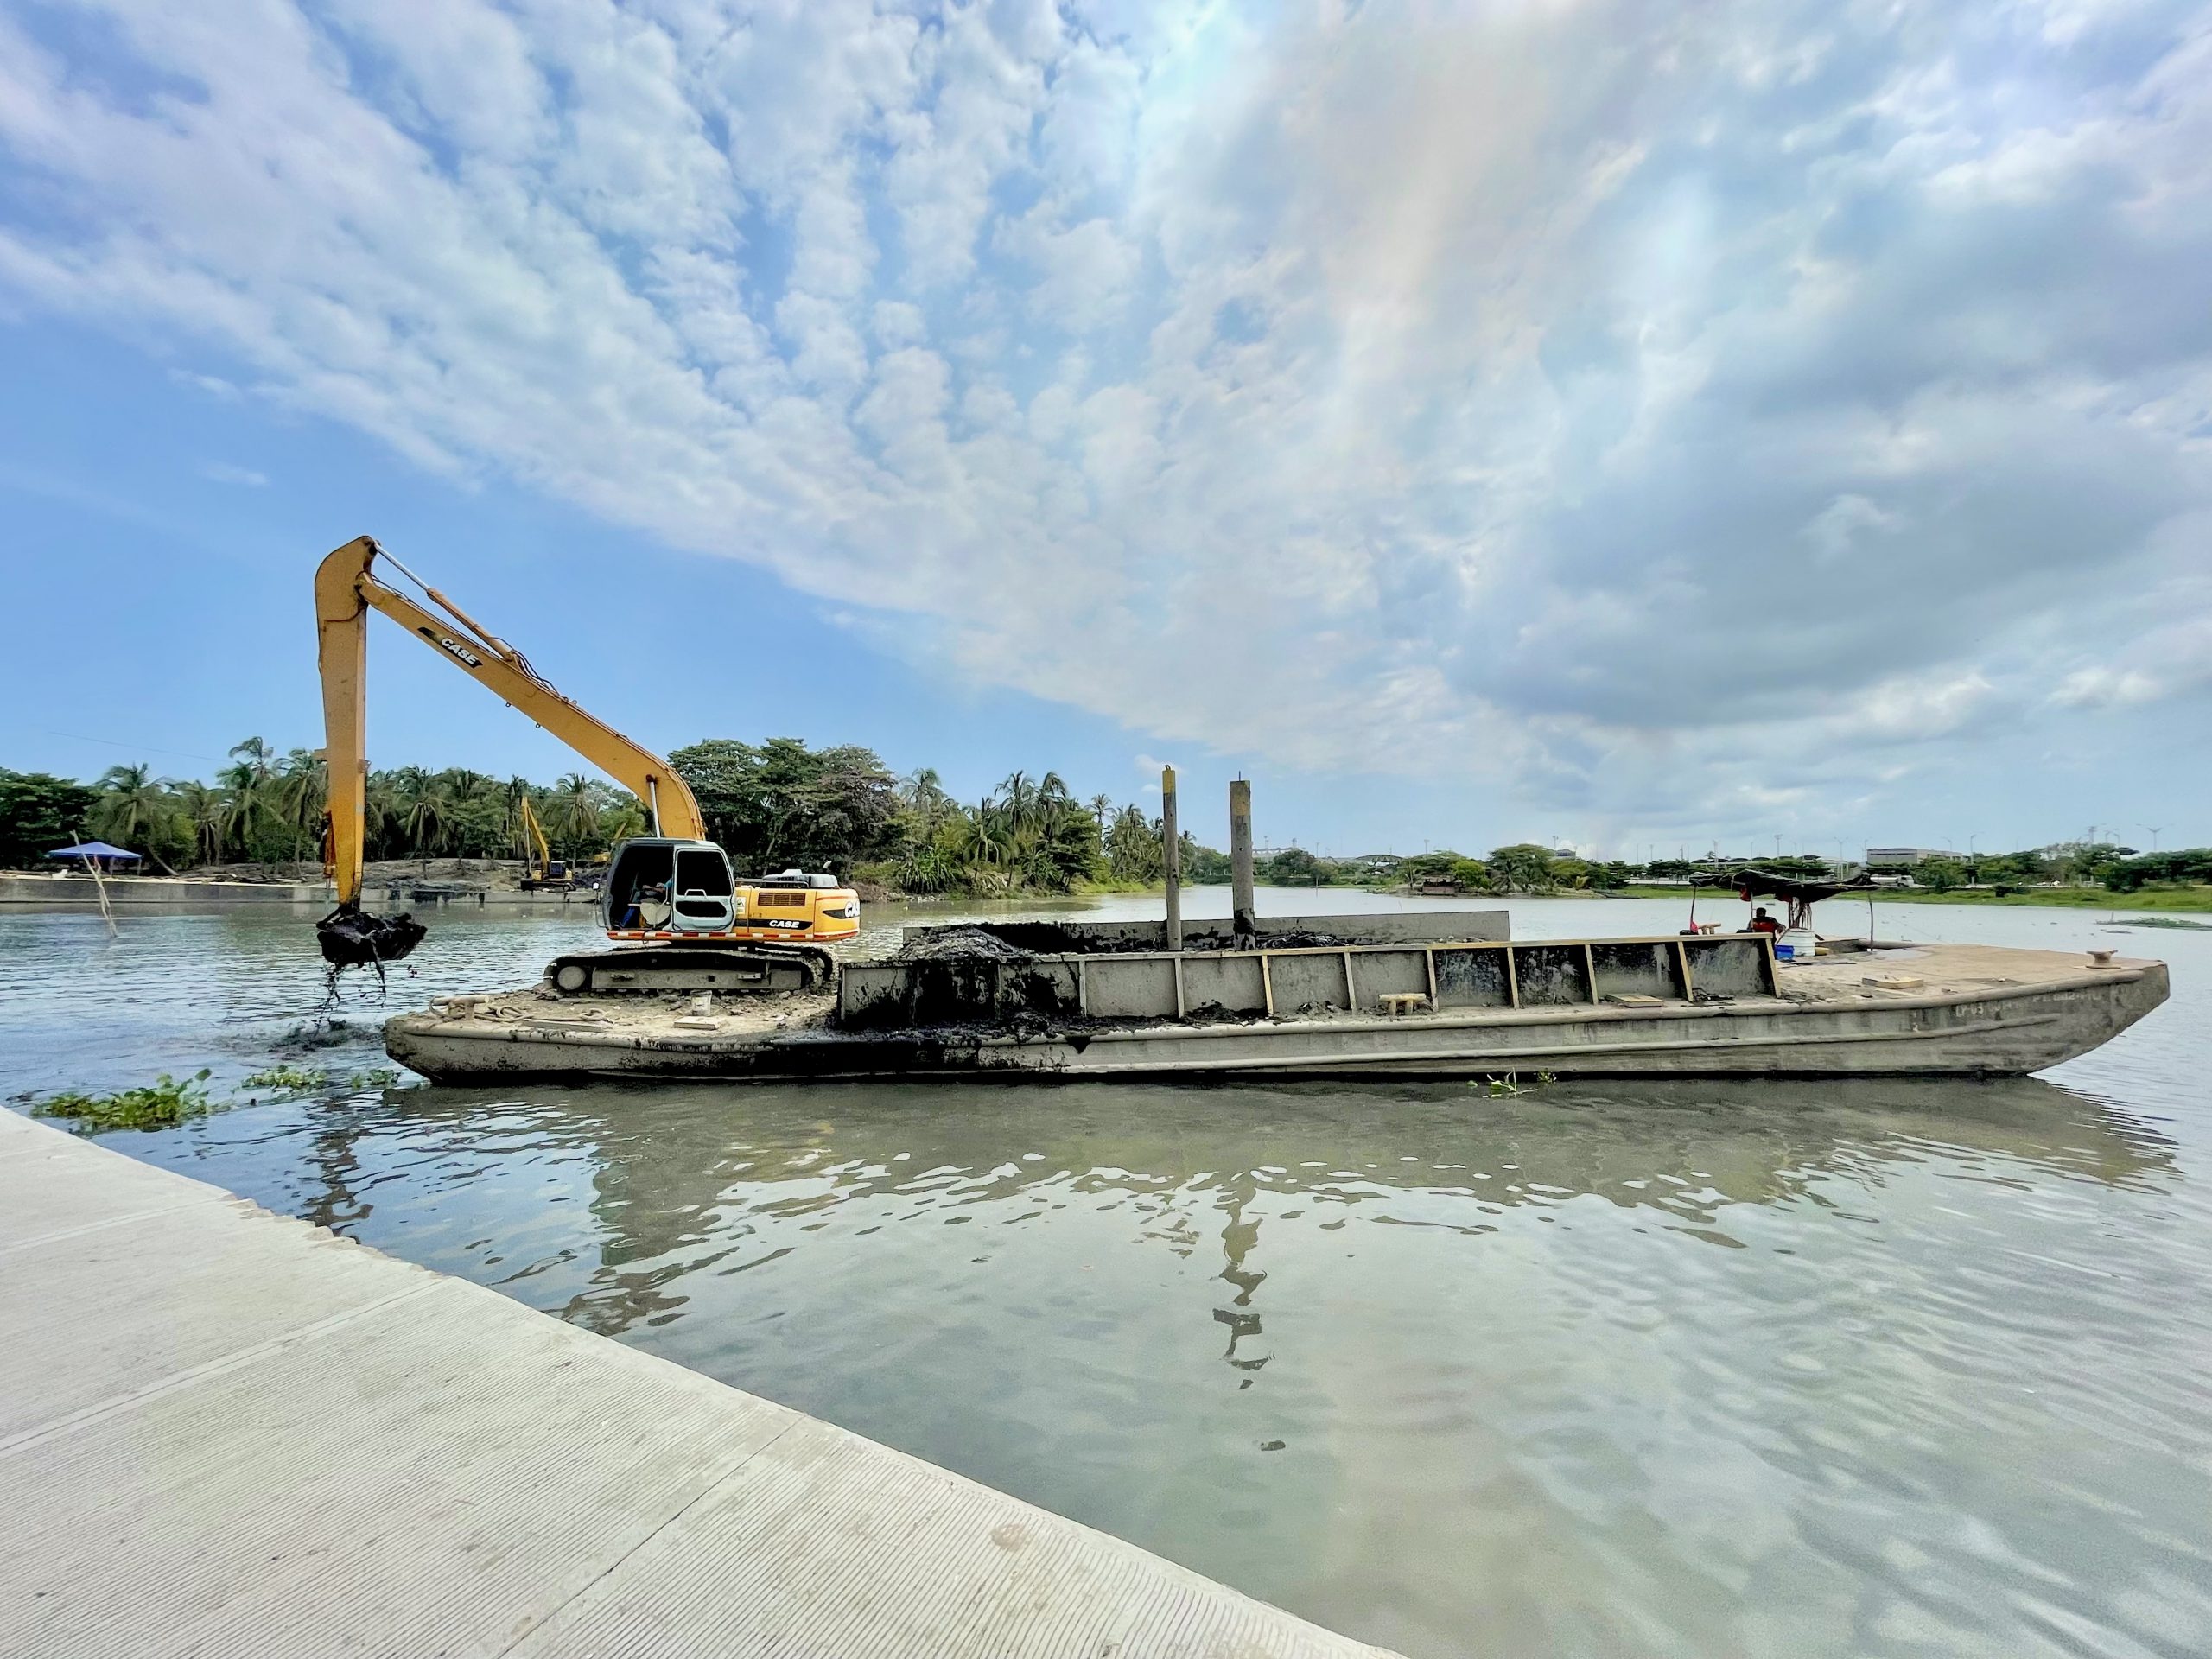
[(354, 938)]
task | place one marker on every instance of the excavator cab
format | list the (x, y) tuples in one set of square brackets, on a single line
[(660, 887)]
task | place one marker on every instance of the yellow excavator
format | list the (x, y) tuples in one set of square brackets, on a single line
[(541, 871), (670, 896)]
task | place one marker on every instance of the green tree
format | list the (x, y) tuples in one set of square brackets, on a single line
[(572, 813), (622, 819), (251, 821), (205, 809), (1472, 874), (39, 812), (427, 819), (1204, 866), (513, 794), (923, 798), (1524, 866), (302, 799), (781, 804), (476, 823), (136, 811), (1062, 844), (1132, 846), (1940, 875)]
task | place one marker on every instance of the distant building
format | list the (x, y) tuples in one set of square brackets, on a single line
[(1904, 856)]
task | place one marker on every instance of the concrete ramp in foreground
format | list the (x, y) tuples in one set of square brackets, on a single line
[(227, 1432)]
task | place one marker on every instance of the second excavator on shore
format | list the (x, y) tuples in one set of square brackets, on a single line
[(669, 900)]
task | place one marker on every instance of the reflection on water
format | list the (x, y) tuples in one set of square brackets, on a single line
[(1611, 1366), (680, 1175)]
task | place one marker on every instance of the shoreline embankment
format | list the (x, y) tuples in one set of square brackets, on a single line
[(2182, 900), (139, 894)]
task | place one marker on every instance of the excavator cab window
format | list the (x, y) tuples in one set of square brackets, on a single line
[(706, 898), (655, 886)]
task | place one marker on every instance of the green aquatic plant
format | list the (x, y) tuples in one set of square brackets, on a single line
[(288, 1082), (159, 1105), (167, 1102)]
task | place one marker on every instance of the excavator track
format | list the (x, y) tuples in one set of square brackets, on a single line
[(759, 969)]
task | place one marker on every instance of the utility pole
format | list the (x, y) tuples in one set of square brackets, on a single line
[(1171, 857), (2156, 831), (1240, 860)]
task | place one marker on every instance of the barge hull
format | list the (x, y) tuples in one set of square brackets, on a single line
[(1980, 1012)]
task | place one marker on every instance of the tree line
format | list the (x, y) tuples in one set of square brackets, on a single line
[(267, 808), (781, 804), (772, 805)]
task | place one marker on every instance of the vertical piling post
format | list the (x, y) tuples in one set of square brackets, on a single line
[(1170, 848), (1240, 860)]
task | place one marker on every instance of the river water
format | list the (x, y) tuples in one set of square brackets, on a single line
[(1692, 1369)]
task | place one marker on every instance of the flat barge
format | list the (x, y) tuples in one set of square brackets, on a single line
[(1423, 995)]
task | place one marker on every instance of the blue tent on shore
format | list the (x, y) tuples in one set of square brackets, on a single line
[(97, 852)]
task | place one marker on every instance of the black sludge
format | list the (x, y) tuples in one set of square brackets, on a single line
[(353, 938)]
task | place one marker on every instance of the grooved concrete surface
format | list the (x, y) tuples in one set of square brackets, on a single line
[(224, 1432)]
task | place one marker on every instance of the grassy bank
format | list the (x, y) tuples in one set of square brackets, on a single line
[(2184, 899)]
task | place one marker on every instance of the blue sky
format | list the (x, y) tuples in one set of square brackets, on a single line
[(1639, 426)]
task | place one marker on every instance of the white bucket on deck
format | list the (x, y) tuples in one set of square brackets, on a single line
[(1795, 946)]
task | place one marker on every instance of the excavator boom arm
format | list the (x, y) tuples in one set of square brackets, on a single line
[(536, 833), (344, 592)]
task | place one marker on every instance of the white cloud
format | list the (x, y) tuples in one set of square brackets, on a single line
[(219, 471), (2170, 660), (1609, 406), (2107, 688)]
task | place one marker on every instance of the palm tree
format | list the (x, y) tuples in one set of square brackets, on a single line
[(428, 818), (407, 785), (207, 808), (1133, 845), (477, 812), (984, 840), (303, 793), (514, 792), (132, 800), (380, 807), (1019, 798), (623, 820), (251, 780), (923, 795), (575, 807), (257, 757)]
